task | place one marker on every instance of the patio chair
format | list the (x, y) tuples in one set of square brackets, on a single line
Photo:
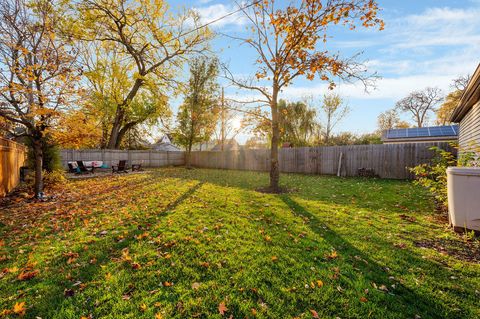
[(72, 169), (121, 167), (137, 167), (84, 169)]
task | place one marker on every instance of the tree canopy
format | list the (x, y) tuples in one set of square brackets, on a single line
[(285, 39), (197, 116)]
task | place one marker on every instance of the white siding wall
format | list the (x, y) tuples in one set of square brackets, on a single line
[(470, 128)]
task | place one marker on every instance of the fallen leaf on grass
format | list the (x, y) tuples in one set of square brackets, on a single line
[(136, 265), (332, 255), (158, 316), (319, 283), (195, 286), (363, 299), (19, 308), (142, 236), (407, 218), (69, 292), (274, 258), (222, 308), (383, 288), (25, 275), (11, 270), (314, 313)]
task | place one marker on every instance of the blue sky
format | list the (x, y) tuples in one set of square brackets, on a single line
[(425, 43)]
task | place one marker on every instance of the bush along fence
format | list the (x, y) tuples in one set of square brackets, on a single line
[(111, 157), (382, 160), (12, 157)]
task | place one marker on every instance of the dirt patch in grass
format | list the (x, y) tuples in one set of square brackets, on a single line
[(462, 250)]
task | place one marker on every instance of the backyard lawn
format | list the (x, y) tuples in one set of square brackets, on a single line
[(176, 243)]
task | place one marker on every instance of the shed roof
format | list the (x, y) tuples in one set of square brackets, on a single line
[(469, 97), (431, 133)]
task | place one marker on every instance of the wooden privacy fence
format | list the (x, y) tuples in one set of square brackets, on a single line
[(12, 157), (387, 160), (111, 157)]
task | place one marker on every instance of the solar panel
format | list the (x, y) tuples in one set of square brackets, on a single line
[(423, 131), (447, 130)]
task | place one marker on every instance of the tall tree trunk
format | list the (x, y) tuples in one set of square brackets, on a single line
[(222, 145), (188, 157), (115, 131), (38, 154), (114, 142), (274, 169), (122, 132)]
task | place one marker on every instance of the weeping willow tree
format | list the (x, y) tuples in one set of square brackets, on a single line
[(298, 123)]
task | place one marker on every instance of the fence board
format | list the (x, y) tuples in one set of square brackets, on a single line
[(387, 160), (12, 157)]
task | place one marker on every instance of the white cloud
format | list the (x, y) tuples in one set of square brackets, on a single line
[(435, 27), (386, 88), (218, 11)]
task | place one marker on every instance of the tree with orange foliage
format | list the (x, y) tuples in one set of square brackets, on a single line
[(77, 129), (286, 38), (38, 74)]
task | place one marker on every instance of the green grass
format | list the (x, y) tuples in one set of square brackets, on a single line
[(177, 243)]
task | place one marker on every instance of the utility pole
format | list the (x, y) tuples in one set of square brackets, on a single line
[(222, 129)]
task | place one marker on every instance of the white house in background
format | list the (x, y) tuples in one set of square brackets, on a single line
[(165, 144), (467, 113)]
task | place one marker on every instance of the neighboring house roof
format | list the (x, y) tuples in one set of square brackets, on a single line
[(469, 97), (164, 144), (229, 145), (421, 134)]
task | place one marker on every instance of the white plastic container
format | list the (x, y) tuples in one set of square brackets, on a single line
[(464, 197)]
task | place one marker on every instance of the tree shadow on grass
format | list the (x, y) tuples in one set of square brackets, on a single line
[(183, 197), (401, 302), (60, 293), (353, 191)]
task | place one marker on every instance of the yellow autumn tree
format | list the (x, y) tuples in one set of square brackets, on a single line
[(110, 76), (152, 45), (77, 129), (39, 74), (286, 41)]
